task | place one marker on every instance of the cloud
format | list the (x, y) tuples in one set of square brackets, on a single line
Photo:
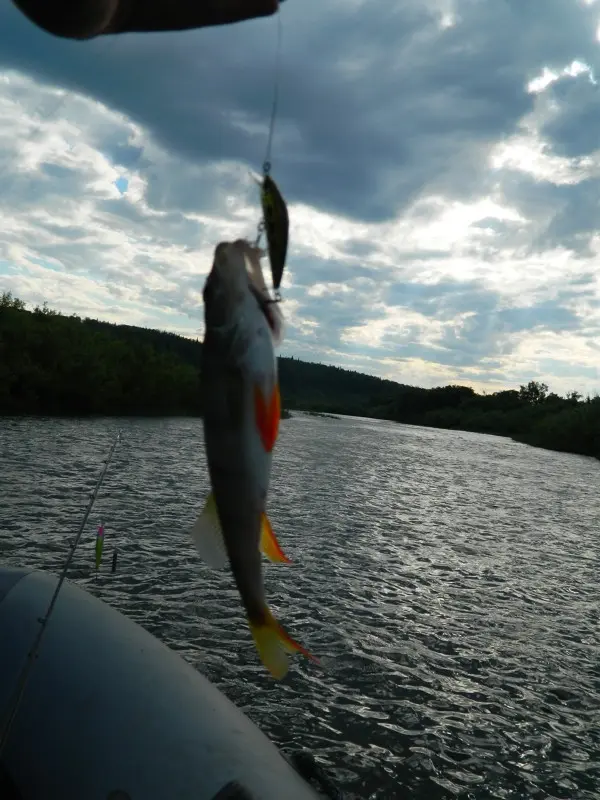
[(367, 117), (439, 158)]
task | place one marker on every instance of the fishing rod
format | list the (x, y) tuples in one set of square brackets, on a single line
[(32, 655)]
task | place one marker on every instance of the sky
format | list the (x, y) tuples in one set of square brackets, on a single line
[(440, 158)]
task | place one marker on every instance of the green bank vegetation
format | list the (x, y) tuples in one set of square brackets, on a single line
[(52, 364)]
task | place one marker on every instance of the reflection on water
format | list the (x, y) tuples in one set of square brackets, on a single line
[(448, 581)]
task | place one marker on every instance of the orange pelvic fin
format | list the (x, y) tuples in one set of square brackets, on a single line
[(269, 545)]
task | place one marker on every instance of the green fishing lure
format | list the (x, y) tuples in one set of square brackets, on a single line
[(99, 546), (277, 226)]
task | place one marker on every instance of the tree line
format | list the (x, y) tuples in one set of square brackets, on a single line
[(53, 364)]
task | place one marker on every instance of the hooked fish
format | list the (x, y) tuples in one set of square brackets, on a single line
[(242, 408)]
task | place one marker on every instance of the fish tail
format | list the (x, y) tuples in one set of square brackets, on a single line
[(274, 644)]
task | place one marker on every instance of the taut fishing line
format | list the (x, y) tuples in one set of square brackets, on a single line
[(19, 690), (275, 220), (275, 104)]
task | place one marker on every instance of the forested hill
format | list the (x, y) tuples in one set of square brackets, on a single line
[(55, 364)]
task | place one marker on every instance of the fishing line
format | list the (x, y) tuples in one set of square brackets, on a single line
[(266, 166), (32, 655), (275, 218), (275, 103)]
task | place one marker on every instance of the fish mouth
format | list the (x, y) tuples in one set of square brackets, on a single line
[(264, 303), (224, 252)]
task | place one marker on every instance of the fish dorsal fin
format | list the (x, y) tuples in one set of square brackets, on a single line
[(269, 545), (208, 536), (267, 413)]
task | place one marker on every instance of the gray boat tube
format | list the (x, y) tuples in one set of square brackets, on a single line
[(111, 713)]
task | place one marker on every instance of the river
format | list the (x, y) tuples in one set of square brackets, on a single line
[(448, 581)]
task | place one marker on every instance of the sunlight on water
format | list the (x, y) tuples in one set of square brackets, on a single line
[(447, 580)]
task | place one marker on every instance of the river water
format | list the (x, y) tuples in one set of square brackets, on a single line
[(448, 581)]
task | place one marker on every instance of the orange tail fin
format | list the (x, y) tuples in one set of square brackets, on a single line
[(274, 644)]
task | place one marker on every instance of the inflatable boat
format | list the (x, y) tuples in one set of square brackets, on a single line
[(110, 713)]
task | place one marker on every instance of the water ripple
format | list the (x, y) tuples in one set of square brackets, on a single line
[(448, 581)]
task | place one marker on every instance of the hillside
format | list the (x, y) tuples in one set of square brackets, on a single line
[(63, 365)]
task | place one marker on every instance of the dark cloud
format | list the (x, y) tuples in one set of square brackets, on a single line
[(492, 333), (379, 106), (549, 366), (444, 299), (376, 106), (547, 316), (500, 227), (564, 215), (123, 154), (334, 313), (310, 270), (558, 214), (572, 130), (359, 248), (554, 35), (577, 217), (487, 333), (54, 171)]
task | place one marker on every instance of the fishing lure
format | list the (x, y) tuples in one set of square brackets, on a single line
[(99, 546), (277, 225)]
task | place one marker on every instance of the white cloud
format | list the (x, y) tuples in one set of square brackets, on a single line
[(139, 253)]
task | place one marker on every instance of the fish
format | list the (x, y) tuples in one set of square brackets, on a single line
[(241, 415)]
